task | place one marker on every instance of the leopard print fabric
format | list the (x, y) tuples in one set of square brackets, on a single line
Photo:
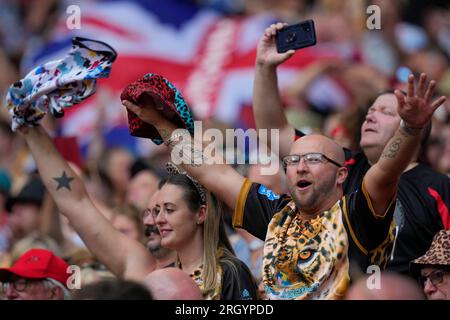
[(306, 260), (198, 279), (437, 255), (166, 98), (382, 254)]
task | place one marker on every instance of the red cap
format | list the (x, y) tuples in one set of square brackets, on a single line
[(37, 264)]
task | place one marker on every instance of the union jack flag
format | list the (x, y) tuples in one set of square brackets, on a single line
[(209, 57)]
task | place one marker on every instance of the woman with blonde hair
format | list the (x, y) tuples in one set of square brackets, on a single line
[(190, 221)]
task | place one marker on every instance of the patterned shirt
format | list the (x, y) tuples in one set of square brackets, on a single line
[(314, 259), (422, 207), (229, 285)]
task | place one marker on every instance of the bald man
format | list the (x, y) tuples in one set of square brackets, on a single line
[(392, 287), (313, 232), (423, 194), (172, 284)]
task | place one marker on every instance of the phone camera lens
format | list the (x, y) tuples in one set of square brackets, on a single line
[(306, 28)]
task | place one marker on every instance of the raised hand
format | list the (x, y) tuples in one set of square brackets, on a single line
[(146, 113), (266, 53), (416, 108)]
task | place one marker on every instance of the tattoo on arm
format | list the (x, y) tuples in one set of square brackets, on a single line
[(165, 134), (63, 181), (189, 153), (393, 148)]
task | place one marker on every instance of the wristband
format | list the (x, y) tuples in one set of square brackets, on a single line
[(174, 138), (409, 129)]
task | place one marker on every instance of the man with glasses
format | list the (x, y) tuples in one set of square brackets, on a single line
[(37, 275), (423, 195), (433, 268), (314, 236), (164, 257)]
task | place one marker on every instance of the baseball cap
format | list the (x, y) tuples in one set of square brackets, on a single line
[(37, 264)]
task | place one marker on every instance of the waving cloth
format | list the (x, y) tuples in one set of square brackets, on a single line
[(59, 84), (165, 97)]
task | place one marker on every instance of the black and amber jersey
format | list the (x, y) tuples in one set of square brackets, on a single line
[(312, 259), (234, 281), (422, 207), (240, 285), (423, 199), (421, 211)]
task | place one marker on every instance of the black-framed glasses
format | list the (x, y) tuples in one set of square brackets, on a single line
[(310, 159), (19, 284), (436, 277)]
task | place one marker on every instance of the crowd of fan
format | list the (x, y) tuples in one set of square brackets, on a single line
[(128, 193)]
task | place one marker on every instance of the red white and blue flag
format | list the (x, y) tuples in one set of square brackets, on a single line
[(209, 57)]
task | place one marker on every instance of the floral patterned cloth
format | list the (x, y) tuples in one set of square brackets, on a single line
[(60, 84)]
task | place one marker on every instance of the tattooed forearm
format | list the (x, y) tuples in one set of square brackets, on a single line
[(63, 181), (164, 133), (190, 154), (392, 149)]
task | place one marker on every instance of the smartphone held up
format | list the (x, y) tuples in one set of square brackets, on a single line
[(297, 36)]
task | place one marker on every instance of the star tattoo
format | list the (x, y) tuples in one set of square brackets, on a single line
[(63, 181)]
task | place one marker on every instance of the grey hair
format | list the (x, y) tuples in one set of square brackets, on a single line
[(50, 283)]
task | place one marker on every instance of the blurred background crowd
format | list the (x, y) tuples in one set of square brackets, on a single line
[(207, 49)]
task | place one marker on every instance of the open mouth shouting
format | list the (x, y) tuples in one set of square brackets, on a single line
[(303, 184)]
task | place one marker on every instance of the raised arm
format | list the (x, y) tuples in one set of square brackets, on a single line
[(267, 106), (210, 170), (415, 110), (124, 257)]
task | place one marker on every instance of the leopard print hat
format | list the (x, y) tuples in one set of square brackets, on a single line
[(437, 255), (165, 97)]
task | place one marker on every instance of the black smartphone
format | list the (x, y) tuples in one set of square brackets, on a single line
[(296, 36)]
